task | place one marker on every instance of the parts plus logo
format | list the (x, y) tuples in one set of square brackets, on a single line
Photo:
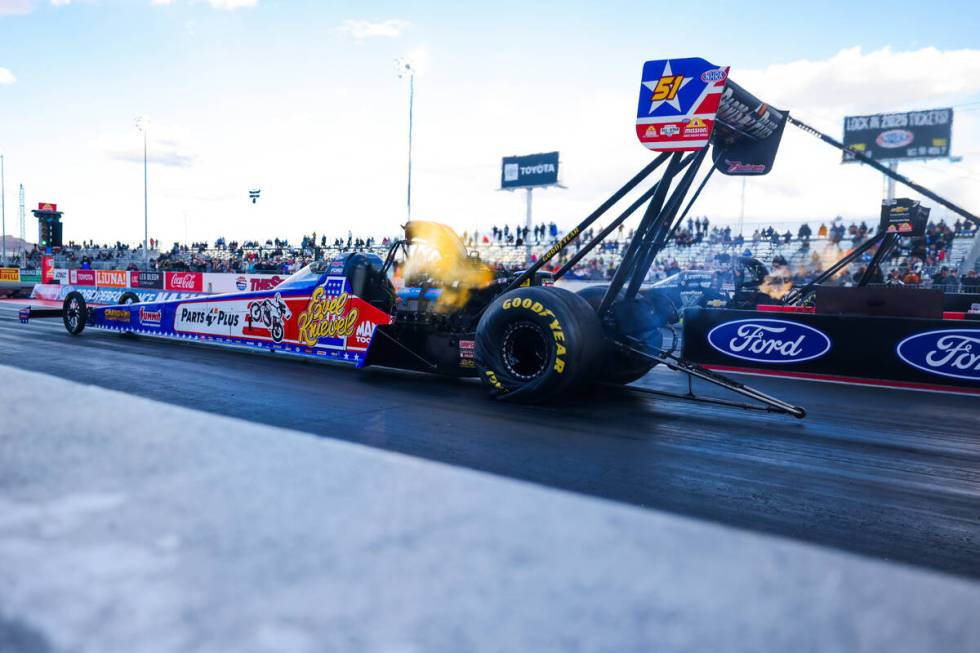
[(947, 352), (205, 318), (769, 341)]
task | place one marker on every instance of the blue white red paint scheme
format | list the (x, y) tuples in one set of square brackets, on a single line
[(309, 314), (678, 102)]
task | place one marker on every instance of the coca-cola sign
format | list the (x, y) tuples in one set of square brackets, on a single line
[(769, 341), (946, 352), (187, 281)]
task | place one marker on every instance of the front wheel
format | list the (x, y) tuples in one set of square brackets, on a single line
[(74, 313), (536, 343)]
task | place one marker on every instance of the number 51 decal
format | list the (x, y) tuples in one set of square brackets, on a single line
[(667, 87)]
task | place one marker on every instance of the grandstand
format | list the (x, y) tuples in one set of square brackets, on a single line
[(714, 250)]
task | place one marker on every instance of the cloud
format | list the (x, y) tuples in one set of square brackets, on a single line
[(16, 7), (365, 29), (882, 80), (6, 77), (167, 146), (230, 5), (160, 3), (60, 3)]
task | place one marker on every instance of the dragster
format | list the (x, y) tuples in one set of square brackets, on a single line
[(431, 306)]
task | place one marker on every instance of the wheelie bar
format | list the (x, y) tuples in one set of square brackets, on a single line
[(693, 370)]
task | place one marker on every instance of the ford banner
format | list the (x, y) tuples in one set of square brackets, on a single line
[(891, 351)]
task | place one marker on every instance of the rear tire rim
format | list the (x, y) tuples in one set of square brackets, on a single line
[(525, 350)]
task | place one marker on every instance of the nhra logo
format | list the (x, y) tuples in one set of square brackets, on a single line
[(948, 352), (894, 138), (241, 283), (716, 75), (769, 341), (150, 318), (364, 332), (670, 130)]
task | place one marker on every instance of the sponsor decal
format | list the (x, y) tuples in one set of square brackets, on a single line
[(716, 75), (10, 275), (241, 283), (769, 341), (60, 276), (111, 278), (326, 316), (265, 283), (205, 318), (189, 281), (651, 132), (150, 317), (696, 129), (947, 352), (670, 130), (738, 166), (117, 315), (47, 269), (894, 138), (83, 278), (146, 280), (47, 206), (271, 313), (364, 332), (467, 344)]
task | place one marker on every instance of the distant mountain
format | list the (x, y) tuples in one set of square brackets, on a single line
[(15, 244)]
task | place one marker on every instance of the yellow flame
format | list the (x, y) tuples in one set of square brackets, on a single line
[(438, 254)]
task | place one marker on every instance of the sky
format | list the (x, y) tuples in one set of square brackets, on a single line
[(301, 100)]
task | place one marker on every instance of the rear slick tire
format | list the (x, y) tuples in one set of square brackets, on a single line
[(536, 344)]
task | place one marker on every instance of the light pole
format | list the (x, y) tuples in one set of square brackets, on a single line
[(3, 212), (403, 67), (141, 124)]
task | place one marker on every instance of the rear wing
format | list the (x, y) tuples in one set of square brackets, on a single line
[(689, 104)]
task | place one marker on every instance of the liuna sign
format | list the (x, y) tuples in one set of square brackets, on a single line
[(529, 170), (891, 351)]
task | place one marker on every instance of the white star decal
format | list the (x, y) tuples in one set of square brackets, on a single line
[(652, 85)]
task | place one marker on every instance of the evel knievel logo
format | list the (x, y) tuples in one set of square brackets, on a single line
[(769, 341), (947, 352)]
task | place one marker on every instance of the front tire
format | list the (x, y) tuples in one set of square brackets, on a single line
[(74, 313), (536, 343)]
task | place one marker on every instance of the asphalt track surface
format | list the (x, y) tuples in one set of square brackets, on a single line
[(883, 473)]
